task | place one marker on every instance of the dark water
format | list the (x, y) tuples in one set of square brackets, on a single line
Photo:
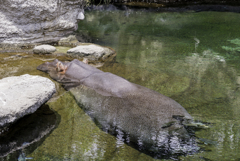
[(190, 57)]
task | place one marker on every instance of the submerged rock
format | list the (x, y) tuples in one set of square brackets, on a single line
[(91, 51), (44, 49), (22, 95)]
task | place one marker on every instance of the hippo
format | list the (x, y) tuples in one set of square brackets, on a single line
[(136, 114)]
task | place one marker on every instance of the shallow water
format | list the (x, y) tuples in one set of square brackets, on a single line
[(190, 57)]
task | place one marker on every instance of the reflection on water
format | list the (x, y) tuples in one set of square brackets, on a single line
[(190, 57), (26, 134)]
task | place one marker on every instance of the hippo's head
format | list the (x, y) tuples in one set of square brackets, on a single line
[(57, 71), (54, 69), (69, 74)]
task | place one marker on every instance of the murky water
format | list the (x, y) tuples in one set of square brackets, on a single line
[(190, 57)]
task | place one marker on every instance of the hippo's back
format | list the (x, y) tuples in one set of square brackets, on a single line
[(141, 114)]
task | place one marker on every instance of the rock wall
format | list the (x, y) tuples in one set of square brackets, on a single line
[(38, 21)]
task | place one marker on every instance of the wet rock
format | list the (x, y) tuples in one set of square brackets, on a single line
[(71, 41), (32, 21), (81, 15), (91, 51), (22, 95), (44, 49), (74, 40)]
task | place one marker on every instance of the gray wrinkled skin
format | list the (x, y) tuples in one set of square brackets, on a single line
[(146, 117), (37, 21)]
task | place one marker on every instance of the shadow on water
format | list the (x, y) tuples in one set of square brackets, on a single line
[(27, 134)]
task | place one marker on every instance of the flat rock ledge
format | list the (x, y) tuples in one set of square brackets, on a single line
[(23, 95), (70, 41), (91, 51), (44, 49)]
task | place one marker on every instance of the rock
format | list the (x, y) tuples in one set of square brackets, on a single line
[(81, 15), (74, 40), (23, 95), (70, 41), (91, 51), (32, 21), (44, 49)]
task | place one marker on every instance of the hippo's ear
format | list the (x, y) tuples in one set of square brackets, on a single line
[(61, 68), (85, 60), (56, 60)]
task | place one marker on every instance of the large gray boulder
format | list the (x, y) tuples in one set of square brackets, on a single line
[(38, 21), (91, 51), (23, 95)]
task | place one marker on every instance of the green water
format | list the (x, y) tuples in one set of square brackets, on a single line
[(190, 57)]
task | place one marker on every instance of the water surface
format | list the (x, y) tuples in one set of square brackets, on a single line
[(190, 57)]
